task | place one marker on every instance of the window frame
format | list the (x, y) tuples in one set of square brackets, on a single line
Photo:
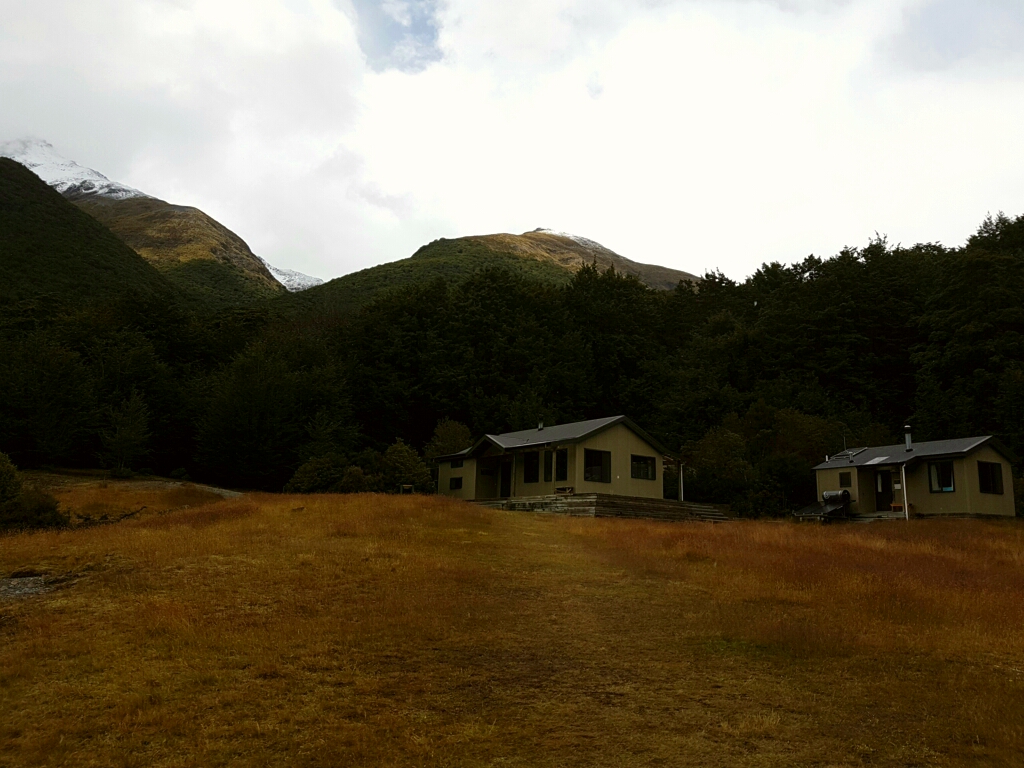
[(561, 465), (456, 463), (531, 467), (455, 483), (548, 468), (994, 482), (934, 480), (605, 466), (848, 477), (636, 464)]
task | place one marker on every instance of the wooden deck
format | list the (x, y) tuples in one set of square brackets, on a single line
[(607, 505)]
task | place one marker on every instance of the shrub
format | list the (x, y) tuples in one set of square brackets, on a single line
[(22, 507), (34, 509), (10, 481), (321, 474), (356, 480), (403, 466), (449, 437)]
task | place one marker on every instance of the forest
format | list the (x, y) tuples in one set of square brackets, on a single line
[(752, 382)]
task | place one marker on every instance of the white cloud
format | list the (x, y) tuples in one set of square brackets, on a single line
[(692, 133)]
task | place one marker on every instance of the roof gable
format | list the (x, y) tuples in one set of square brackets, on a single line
[(554, 435)]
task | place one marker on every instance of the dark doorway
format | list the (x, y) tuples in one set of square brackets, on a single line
[(883, 491), (506, 479)]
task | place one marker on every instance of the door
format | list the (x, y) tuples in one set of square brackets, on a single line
[(883, 490), (506, 479)]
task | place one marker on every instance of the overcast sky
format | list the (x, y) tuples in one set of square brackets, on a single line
[(337, 134)]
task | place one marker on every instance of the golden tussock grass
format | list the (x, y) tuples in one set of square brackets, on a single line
[(373, 630)]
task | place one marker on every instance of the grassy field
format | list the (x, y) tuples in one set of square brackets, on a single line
[(411, 631)]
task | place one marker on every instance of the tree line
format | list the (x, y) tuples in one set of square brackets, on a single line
[(753, 382)]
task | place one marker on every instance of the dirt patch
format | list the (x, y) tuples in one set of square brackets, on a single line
[(23, 587)]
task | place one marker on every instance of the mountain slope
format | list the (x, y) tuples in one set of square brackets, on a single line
[(66, 176), (50, 247), (572, 252), (210, 264), (290, 279), (542, 254)]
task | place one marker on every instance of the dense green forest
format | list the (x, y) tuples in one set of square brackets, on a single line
[(753, 382)]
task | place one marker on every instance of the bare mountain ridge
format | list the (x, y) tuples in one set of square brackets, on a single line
[(214, 266), (572, 252), (543, 255), (167, 235), (208, 261)]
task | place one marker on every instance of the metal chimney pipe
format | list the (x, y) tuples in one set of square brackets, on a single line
[(540, 426), (906, 434)]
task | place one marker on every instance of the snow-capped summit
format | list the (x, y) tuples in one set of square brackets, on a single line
[(66, 176), (584, 241), (80, 184), (290, 279)]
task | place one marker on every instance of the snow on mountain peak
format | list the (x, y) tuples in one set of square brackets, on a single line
[(75, 181), (584, 241), (66, 176), (290, 279)]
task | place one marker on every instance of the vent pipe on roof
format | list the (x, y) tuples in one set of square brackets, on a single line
[(906, 434), (540, 426)]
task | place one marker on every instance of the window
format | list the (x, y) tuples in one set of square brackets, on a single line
[(940, 476), (547, 466), (990, 476), (597, 466), (845, 480), (454, 483), (642, 468), (457, 464), (561, 465), (531, 467)]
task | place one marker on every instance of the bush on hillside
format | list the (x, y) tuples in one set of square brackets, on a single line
[(10, 481), (22, 507), (321, 474), (403, 466), (332, 473), (450, 436), (357, 480)]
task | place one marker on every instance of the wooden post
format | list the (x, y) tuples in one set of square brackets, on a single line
[(679, 468), (903, 483)]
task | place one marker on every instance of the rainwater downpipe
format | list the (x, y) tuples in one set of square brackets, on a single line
[(903, 482), (903, 473)]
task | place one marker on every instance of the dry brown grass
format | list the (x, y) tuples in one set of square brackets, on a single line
[(89, 500), (422, 631)]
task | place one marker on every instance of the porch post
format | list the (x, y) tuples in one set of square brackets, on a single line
[(679, 469), (903, 483)]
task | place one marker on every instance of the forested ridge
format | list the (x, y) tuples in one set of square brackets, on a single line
[(753, 382)]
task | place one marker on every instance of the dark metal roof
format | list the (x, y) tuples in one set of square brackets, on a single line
[(558, 434), (888, 455)]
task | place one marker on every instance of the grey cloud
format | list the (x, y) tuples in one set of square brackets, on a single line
[(398, 34), (947, 33)]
